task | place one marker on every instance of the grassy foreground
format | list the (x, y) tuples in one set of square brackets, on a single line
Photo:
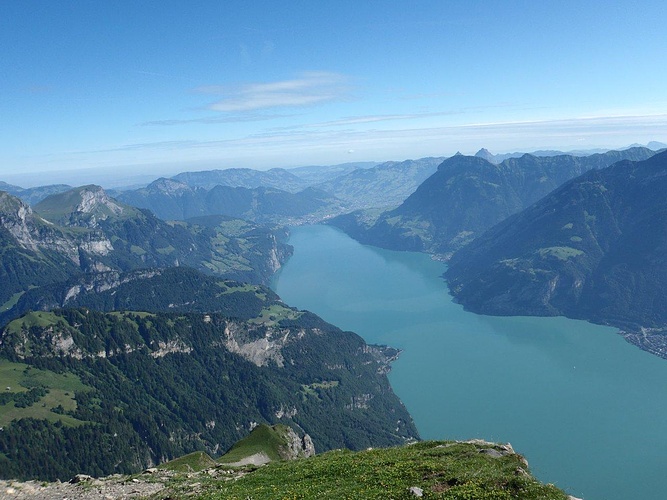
[(446, 470)]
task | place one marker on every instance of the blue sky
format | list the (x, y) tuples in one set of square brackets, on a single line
[(138, 86)]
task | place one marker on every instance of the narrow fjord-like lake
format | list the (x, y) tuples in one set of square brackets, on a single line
[(587, 409)]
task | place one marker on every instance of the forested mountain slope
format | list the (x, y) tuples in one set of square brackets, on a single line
[(171, 289), (596, 248), (100, 393), (468, 195)]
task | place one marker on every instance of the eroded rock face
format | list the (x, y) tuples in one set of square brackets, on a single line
[(91, 199), (101, 282), (14, 216), (297, 447), (32, 232), (260, 351), (308, 446)]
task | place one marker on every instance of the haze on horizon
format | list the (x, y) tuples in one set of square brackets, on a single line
[(136, 88)]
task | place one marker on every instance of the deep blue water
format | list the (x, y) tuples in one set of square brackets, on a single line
[(587, 409)]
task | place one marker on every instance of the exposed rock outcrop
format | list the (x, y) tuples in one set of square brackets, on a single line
[(296, 447)]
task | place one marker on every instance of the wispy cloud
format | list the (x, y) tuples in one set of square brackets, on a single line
[(251, 117), (311, 88), (365, 119), (359, 120), (278, 147)]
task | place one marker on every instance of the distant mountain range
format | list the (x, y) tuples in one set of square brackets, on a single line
[(468, 195), (384, 185), (253, 195), (278, 178), (84, 230), (170, 199), (498, 158), (35, 194), (316, 174), (291, 180)]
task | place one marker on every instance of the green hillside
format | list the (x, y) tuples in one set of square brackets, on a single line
[(473, 470), (158, 386)]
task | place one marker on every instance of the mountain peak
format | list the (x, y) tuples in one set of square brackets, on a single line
[(93, 197), (10, 203), (655, 145), (14, 216), (486, 154), (168, 186), (83, 206)]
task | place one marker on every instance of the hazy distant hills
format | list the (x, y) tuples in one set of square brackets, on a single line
[(596, 248), (498, 158), (35, 194), (278, 178), (654, 145), (467, 195), (317, 174), (384, 185), (170, 199), (253, 195), (291, 180)]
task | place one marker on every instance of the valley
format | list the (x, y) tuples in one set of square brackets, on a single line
[(327, 250), (110, 313)]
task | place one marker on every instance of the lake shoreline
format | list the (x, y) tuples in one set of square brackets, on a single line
[(564, 392)]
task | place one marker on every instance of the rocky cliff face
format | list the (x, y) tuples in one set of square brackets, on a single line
[(15, 217), (299, 447), (85, 206), (32, 232)]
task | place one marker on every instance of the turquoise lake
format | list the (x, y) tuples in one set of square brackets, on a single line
[(587, 409)]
